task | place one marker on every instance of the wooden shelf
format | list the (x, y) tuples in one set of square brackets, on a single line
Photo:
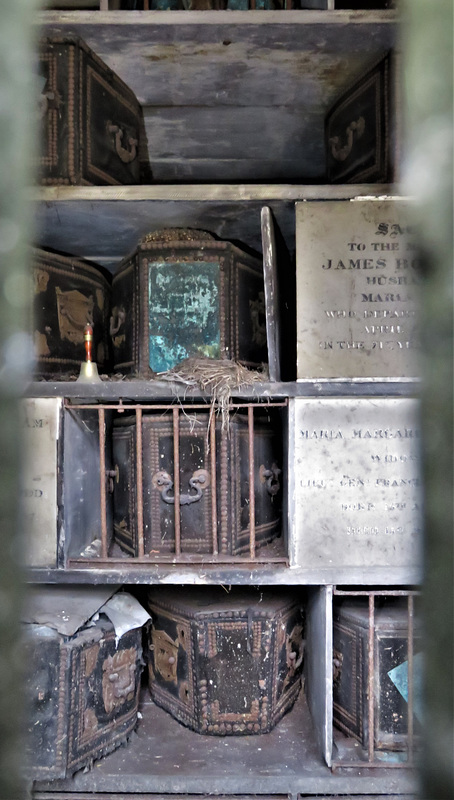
[(232, 95), (105, 223), (235, 575), (155, 390), (164, 756)]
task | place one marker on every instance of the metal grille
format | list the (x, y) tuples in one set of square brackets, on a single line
[(105, 558), (373, 758)]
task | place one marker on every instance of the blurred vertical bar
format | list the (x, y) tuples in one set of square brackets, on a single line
[(428, 175), (18, 100)]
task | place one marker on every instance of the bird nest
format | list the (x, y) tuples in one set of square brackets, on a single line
[(218, 378)]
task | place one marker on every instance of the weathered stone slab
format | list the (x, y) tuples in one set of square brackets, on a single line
[(357, 482), (357, 290), (40, 421)]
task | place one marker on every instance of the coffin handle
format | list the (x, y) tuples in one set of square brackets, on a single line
[(123, 153), (163, 483), (117, 320), (270, 477), (341, 151)]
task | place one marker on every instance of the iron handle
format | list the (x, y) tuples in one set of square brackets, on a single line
[(123, 691), (47, 102), (117, 320), (112, 474), (163, 483), (340, 152), (123, 153), (270, 477)]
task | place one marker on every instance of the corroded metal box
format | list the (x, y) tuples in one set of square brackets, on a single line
[(360, 128), (68, 294), (387, 679), (225, 664), (92, 128), (82, 687), (185, 293)]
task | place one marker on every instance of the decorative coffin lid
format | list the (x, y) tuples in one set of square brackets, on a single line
[(171, 236), (71, 263), (205, 602), (190, 239), (392, 617)]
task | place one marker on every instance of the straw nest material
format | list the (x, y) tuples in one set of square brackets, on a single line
[(217, 377)]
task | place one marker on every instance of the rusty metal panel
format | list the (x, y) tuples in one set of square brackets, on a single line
[(86, 527), (357, 290), (357, 486), (39, 479)]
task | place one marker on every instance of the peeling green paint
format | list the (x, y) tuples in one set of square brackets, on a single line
[(183, 311)]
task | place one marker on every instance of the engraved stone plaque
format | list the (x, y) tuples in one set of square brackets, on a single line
[(357, 290), (357, 482), (40, 420)]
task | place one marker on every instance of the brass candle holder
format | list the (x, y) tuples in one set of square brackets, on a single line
[(88, 368)]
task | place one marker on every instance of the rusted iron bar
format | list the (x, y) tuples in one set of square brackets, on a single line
[(166, 407), (410, 594), (176, 478), (120, 407), (410, 731), (250, 426), (186, 559), (214, 513), (139, 478), (369, 764), (371, 676), (102, 479)]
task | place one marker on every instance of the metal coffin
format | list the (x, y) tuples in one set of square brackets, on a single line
[(225, 665), (214, 498), (360, 129), (82, 693), (185, 293), (69, 293), (357, 483), (358, 276), (92, 123), (390, 680)]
